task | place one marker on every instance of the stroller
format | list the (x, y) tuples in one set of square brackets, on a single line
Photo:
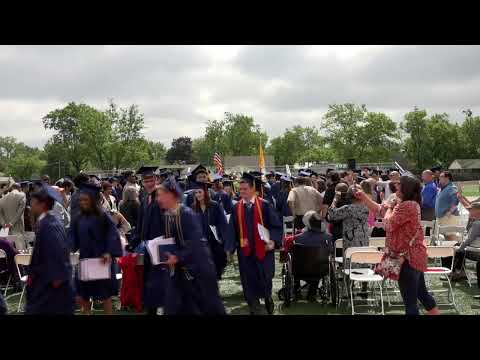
[(308, 264)]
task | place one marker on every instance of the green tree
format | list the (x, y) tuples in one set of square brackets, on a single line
[(24, 166), (127, 146), (298, 144), (354, 133), (242, 135), (156, 152), (180, 151), (415, 126), (67, 122), (470, 136)]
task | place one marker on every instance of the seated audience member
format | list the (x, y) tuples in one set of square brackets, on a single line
[(429, 196), (315, 235), (470, 248)]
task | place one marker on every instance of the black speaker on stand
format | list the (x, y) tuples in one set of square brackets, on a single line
[(352, 164)]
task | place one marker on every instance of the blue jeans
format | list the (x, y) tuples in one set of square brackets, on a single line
[(412, 287)]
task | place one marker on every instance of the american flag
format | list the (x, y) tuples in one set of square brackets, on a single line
[(217, 160)]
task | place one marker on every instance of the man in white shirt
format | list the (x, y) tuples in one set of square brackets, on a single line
[(12, 207), (302, 199), (384, 185)]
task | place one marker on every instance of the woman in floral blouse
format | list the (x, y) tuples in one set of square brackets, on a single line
[(405, 236), (354, 217)]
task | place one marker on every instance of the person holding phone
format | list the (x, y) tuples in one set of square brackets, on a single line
[(405, 239)]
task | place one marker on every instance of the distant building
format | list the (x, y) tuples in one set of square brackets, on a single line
[(465, 169), (247, 162), (465, 164)]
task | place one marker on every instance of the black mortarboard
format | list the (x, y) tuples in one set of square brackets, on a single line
[(252, 179), (227, 182), (48, 191), (328, 170), (270, 174), (436, 168), (197, 185), (199, 169), (24, 183), (313, 173), (286, 178), (257, 174), (92, 189), (171, 185), (147, 171), (277, 173), (304, 173)]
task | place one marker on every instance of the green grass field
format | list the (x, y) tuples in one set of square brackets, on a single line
[(471, 191), (235, 304)]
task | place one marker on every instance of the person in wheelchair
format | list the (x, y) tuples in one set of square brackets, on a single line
[(315, 235)]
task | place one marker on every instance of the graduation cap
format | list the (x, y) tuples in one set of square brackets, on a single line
[(24, 183), (270, 174), (198, 185), (252, 179), (94, 177), (313, 173), (328, 170), (227, 182), (286, 178), (171, 185), (199, 169), (91, 189), (47, 191), (257, 174), (163, 171), (147, 171), (436, 168), (304, 173)]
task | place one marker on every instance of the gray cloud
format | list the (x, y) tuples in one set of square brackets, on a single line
[(180, 87)]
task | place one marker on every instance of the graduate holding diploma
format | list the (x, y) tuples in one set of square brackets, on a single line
[(256, 258), (49, 285), (192, 287), (95, 235), (214, 224)]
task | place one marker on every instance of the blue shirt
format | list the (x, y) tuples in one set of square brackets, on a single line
[(429, 195), (445, 200)]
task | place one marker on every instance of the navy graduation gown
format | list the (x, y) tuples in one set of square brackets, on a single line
[(275, 189), (50, 262), (94, 236), (282, 204), (193, 287), (256, 276), (150, 226), (222, 198), (215, 216)]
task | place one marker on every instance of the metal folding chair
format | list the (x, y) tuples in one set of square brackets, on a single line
[(363, 275), (438, 252), (22, 260), (3, 257)]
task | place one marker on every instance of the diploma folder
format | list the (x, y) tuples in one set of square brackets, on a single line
[(158, 247), (94, 269), (263, 232)]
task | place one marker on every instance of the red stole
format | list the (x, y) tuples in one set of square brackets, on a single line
[(257, 219)]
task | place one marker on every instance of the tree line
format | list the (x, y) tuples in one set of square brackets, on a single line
[(114, 138)]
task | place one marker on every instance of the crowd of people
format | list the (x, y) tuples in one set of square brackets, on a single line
[(208, 219)]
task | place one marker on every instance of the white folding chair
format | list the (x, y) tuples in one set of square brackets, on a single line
[(3, 257), (29, 237), (377, 242), (22, 260), (288, 230), (345, 268), (360, 275), (443, 230), (438, 252), (338, 245)]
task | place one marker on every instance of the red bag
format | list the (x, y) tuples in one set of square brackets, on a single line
[(131, 292)]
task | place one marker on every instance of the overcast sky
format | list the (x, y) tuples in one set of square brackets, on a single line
[(179, 88)]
